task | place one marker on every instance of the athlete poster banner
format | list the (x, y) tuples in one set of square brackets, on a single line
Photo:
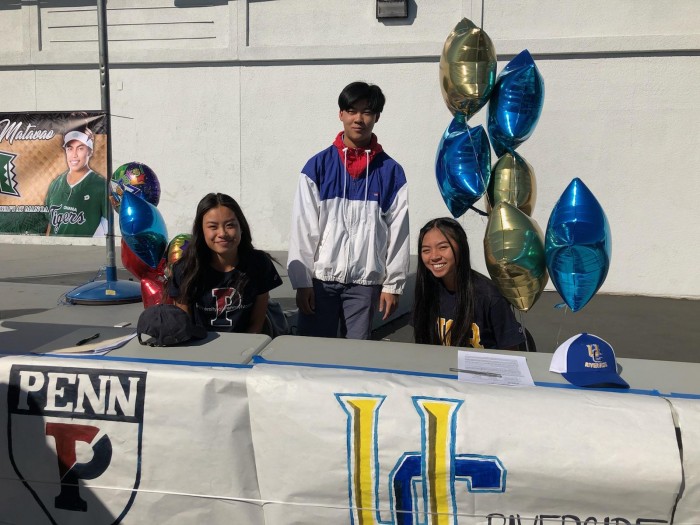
[(105, 442), (52, 174), (344, 446)]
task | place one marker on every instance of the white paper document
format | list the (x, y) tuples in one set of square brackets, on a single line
[(99, 345), (493, 369)]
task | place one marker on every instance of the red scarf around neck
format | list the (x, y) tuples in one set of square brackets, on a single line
[(357, 163)]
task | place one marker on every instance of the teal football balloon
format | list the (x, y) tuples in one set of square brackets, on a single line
[(578, 245), (516, 103), (143, 229), (463, 165)]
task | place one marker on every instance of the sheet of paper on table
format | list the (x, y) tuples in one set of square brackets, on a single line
[(493, 369), (98, 347)]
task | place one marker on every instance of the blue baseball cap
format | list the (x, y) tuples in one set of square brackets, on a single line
[(587, 360)]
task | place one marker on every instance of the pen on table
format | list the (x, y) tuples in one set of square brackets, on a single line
[(475, 372), (87, 339)]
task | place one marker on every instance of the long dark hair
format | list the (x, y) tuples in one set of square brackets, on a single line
[(195, 260), (426, 299)]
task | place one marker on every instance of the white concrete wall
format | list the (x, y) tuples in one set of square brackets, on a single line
[(235, 97)]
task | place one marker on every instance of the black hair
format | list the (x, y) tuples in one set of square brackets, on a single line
[(356, 91), (195, 259), (426, 300)]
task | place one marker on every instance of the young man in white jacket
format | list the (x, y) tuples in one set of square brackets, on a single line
[(349, 243)]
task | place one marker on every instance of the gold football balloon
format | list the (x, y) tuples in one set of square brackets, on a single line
[(467, 69), (513, 181), (515, 259)]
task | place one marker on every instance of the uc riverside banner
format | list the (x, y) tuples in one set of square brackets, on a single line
[(344, 446), (52, 174), (91, 442)]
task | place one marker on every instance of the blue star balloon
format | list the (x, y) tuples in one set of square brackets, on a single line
[(578, 245), (143, 229), (516, 103), (462, 165)]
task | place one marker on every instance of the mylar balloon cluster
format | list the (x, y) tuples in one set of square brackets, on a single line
[(514, 245), (135, 193), (513, 112), (467, 77), (145, 237), (135, 178), (578, 245)]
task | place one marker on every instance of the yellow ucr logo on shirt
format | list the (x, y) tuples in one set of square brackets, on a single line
[(444, 329)]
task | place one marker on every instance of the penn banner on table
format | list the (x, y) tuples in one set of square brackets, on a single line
[(92, 442), (52, 174), (346, 446)]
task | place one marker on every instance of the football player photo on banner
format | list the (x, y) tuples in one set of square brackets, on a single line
[(93, 442), (52, 174), (373, 448)]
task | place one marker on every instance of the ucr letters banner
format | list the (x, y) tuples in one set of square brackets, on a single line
[(52, 174), (344, 446)]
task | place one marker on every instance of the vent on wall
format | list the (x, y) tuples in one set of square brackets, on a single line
[(392, 8)]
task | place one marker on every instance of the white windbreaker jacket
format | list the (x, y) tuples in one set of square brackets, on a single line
[(350, 230)]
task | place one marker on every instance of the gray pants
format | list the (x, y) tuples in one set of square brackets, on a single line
[(345, 309)]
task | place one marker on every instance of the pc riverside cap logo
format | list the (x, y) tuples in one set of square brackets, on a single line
[(167, 325), (587, 360)]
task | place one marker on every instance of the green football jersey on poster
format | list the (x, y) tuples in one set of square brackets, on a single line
[(76, 210)]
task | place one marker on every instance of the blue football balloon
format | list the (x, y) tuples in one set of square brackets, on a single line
[(143, 229), (578, 245), (516, 103), (463, 165)]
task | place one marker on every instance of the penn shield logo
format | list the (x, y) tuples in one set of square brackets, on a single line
[(8, 177), (70, 429)]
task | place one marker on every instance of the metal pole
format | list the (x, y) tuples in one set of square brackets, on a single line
[(111, 270), (109, 291)]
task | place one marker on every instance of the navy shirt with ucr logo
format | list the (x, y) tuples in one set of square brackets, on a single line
[(494, 325), (224, 300)]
